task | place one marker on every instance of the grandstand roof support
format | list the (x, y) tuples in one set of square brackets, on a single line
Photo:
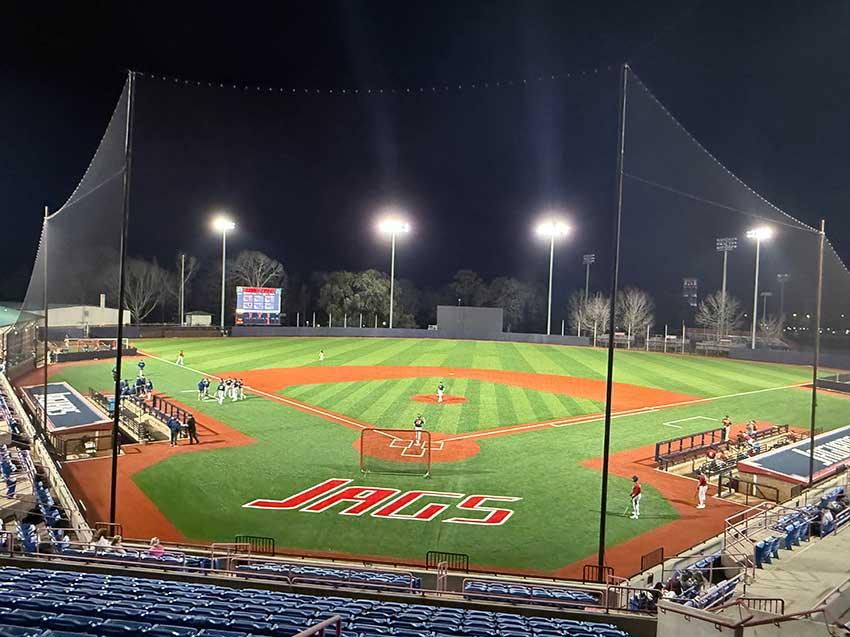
[(119, 347), (816, 359), (615, 267)]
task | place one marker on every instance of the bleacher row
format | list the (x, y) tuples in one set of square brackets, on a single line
[(717, 594), (297, 573), (8, 414), (704, 568), (44, 603), (544, 595)]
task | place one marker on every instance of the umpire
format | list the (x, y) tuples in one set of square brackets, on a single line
[(192, 428)]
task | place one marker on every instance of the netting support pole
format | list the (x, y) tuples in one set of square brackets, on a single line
[(816, 360), (615, 266), (119, 349), (46, 330)]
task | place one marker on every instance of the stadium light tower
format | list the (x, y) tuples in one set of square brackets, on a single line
[(724, 245), (223, 224), (587, 260), (393, 225), (759, 234), (782, 279), (551, 228)]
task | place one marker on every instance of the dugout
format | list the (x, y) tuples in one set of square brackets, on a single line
[(457, 321)]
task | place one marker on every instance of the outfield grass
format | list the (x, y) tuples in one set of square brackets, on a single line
[(555, 522)]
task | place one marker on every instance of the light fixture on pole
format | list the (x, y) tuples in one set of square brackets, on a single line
[(223, 225), (764, 296), (551, 229), (724, 245), (759, 234), (587, 260), (393, 226), (782, 279)]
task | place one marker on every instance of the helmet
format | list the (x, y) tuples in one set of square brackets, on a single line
[(634, 478)]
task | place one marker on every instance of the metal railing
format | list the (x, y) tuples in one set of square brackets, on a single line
[(596, 574), (775, 605), (318, 630), (633, 599), (258, 543), (453, 561)]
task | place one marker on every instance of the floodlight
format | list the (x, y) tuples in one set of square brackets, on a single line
[(223, 224), (552, 229), (393, 225), (760, 233)]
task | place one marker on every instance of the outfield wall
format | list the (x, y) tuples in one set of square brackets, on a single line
[(401, 332), (790, 357)]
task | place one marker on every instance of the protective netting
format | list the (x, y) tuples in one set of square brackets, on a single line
[(78, 254), (682, 208)]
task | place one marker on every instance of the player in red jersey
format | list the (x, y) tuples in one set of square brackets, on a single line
[(702, 489), (635, 498)]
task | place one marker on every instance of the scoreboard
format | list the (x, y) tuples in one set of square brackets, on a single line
[(257, 306)]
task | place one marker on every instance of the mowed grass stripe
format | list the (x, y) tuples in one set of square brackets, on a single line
[(507, 410)]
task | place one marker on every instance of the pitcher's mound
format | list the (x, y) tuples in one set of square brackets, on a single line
[(432, 398)]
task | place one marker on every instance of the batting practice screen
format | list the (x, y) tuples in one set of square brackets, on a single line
[(257, 306)]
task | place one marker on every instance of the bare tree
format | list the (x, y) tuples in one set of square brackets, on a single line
[(145, 286), (252, 268), (596, 313), (722, 318), (635, 311), (772, 326), (575, 311)]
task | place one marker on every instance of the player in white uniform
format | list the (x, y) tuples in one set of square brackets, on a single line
[(440, 389), (240, 386), (180, 358), (702, 490), (418, 425), (219, 393), (321, 355)]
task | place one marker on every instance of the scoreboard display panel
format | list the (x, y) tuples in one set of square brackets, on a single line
[(257, 306)]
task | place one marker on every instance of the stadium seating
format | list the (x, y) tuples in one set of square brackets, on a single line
[(537, 594), (715, 595), (47, 603), (317, 574)]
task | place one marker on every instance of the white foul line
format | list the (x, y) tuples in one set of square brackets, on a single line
[(672, 423), (327, 415)]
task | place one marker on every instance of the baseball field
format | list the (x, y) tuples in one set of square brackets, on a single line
[(522, 427)]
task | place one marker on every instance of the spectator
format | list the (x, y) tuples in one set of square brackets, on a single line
[(826, 520), (65, 543), (192, 429), (174, 427), (155, 549), (668, 593), (149, 388), (100, 541), (116, 546), (727, 428)]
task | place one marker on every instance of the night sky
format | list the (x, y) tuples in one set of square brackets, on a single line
[(762, 85)]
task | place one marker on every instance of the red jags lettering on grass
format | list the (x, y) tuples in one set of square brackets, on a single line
[(494, 517), (425, 514), (365, 497), (389, 507), (299, 499)]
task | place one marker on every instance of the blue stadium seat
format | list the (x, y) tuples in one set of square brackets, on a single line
[(7, 630), (167, 630)]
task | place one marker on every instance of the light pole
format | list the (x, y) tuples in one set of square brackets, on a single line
[(764, 296), (782, 279), (182, 286), (393, 226), (551, 229), (222, 224), (759, 234), (587, 260), (724, 245)]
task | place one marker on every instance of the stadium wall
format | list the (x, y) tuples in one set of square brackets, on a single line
[(827, 359), (382, 332), (470, 322)]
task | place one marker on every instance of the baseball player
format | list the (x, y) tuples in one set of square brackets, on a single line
[(240, 386), (202, 389), (635, 498), (440, 389), (727, 428), (234, 390), (702, 489), (219, 393), (141, 368), (206, 388), (418, 425), (180, 358), (321, 355)]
